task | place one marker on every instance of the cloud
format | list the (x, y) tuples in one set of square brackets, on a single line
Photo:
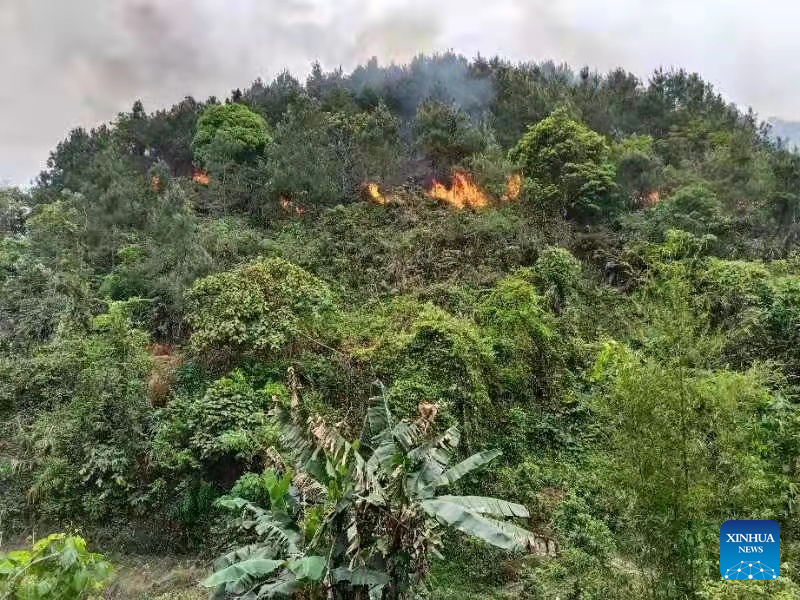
[(80, 62)]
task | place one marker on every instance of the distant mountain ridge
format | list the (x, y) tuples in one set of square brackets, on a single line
[(788, 131)]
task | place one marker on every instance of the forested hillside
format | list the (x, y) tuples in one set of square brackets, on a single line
[(451, 330)]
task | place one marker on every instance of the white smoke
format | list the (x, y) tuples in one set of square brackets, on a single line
[(78, 62)]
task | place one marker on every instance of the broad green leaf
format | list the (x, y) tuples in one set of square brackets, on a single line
[(497, 533), (360, 576), (68, 556), (79, 581), (308, 567), (466, 466), (252, 568), (245, 553), (283, 587), (43, 588), (277, 534), (385, 455), (278, 488), (406, 434), (377, 420), (19, 556), (420, 483), (234, 504), (6, 566), (438, 448), (488, 506)]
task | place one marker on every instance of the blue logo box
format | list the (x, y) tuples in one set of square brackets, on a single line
[(750, 550)]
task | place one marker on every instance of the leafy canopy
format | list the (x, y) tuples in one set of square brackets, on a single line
[(446, 134), (227, 421), (261, 306), (569, 161), (229, 131), (58, 567)]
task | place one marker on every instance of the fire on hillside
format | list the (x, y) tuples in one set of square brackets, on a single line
[(373, 193), (463, 193), (513, 187), (201, 177)]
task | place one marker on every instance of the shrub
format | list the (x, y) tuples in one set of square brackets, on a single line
[(446, 134), (227, 132), (88, 449), (570, 162), (58, 567), (430, 355), (228, 421), (524, 338), (559, 274), (262, 306), (694, 208)]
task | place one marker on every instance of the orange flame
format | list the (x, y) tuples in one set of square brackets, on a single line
[(462, 194), (650, 199), (513, 186), (289, 206), (374, 193), (201, 177)]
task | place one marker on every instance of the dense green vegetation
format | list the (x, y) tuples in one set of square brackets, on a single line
[(215, 341), (57, 567)]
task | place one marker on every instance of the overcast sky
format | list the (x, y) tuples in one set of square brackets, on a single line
[(65, 63)]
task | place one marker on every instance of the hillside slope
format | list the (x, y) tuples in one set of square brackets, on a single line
[(595, 275)]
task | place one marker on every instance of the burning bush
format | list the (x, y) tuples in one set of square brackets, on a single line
[(162, 377), (201, 177), (373, 193), (463, 193)]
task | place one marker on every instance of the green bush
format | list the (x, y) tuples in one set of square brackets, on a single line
[(523, 333), (228, 132), (261, 306), (88, 450), (58, 567), (694, 208), (559, 275), (781, 589), (569, 162), (228, 421), (429, 355), (576, 574), (322, 158), (639, 170), (782, 321), (446, 135), (733, 288), (578, 528), (648, 466)]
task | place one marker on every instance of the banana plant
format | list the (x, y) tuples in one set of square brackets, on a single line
[(276, 565), (385, 507)]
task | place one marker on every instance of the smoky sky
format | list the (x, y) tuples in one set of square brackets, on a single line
[(65, 63)]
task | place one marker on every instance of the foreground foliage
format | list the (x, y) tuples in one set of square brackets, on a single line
[(372, 528), (57, 567)]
